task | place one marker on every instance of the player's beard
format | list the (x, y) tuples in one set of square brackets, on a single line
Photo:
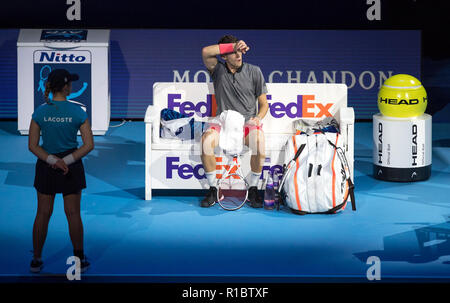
[(235, 66)]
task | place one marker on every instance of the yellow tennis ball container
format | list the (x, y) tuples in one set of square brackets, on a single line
[(402, 131), (402, 96)]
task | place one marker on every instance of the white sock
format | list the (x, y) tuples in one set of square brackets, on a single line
[(254, 178), (211, 176)]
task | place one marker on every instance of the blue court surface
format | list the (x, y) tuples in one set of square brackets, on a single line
[(172, 239)]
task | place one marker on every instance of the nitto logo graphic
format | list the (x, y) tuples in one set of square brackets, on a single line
[(303, 107), (44, 72), (187, 171), (62, 57)]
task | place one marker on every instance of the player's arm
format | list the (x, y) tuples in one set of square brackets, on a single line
[(88, 141), (263, 107), (209, 56), (210, 53), (34, 134)]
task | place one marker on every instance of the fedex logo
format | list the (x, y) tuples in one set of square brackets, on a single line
[(206, 108), (184, 171), (187, 171), (275, 169), (62, 57), (302, 108)]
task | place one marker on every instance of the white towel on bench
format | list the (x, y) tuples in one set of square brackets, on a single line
[(231, 138)]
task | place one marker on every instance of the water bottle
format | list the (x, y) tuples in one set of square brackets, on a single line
[(276, 185), (269, 194)]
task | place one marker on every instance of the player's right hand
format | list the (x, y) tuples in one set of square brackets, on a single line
[(61, 165), (241, 46)]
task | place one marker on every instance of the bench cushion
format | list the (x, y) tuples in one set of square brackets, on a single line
[(273, 142)]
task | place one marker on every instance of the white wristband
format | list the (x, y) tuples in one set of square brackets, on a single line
[(51, 159), (69, 159)]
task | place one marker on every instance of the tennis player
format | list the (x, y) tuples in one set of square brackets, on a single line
[(241, 87), (59, 168)]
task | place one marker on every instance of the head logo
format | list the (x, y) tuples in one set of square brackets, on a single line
[(380, 143), (414, 145)]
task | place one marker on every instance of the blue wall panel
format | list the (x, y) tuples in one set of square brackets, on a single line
[(140, 57)]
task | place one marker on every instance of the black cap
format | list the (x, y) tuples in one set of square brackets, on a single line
[(60, 77)]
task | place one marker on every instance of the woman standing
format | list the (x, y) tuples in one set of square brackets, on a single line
[(59, 168)]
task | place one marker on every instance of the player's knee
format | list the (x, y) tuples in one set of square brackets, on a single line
[(45, 213), (209, 136), (260, 141), (209, 140)]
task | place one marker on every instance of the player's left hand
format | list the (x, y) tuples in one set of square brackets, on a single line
[(60, 164), (241, 46), (254, 121)]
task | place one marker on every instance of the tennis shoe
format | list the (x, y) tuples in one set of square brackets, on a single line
[(210, 198), (84, 264), (36, 266), (254, 198)]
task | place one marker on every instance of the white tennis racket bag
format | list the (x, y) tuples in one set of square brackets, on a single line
[(316, 174)]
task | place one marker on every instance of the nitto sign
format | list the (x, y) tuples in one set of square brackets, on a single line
[(76, 62), (68, 57)]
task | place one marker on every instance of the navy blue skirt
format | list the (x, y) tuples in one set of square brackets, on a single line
[(52, 181)]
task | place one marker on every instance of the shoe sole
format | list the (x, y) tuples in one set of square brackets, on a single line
[(209, 205), (36, 270), (256, 206)]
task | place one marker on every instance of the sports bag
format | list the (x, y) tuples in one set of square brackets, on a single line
[(316, 175), (175, 125)]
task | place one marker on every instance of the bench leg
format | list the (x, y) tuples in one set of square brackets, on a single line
[(148, 160)]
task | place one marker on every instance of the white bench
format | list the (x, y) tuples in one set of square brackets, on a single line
[(175, 164)]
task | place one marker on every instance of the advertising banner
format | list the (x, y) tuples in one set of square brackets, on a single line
[(76, 62), (360, 59)]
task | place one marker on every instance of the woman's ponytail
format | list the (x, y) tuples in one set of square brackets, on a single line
[(47, 92)]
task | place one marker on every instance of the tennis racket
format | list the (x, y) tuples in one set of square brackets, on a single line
[(232, 187), (287, 168)]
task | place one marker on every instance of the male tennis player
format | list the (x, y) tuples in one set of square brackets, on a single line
[(238, 86)]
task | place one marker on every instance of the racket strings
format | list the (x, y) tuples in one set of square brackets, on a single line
[(232, 188)]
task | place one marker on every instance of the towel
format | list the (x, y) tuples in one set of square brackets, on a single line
[(231, 139)]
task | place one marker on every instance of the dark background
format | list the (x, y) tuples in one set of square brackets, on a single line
[(430, 16)]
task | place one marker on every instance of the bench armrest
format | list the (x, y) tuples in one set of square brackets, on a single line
[(152, 116)]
